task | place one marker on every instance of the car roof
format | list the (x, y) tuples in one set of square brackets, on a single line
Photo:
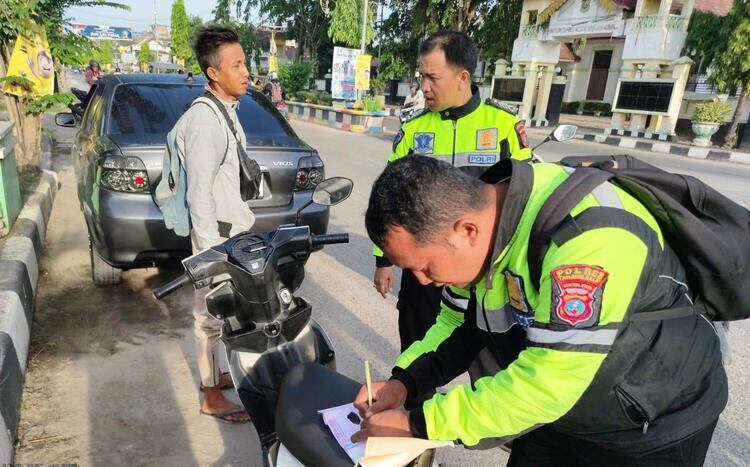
[(154, 78)]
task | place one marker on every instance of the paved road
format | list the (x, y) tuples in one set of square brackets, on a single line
[(112, 377)]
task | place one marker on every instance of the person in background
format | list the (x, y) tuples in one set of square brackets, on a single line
[(415, 100), (93, 72)]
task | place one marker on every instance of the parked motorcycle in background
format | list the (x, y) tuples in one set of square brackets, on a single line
[(282, 362)]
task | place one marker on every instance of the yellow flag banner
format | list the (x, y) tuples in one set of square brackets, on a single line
[(31, 59), (362, 80)]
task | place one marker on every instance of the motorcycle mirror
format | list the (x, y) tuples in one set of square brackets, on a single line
[(332, 191), (564, 133)]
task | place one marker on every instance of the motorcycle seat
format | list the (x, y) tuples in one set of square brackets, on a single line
[(307, 388)]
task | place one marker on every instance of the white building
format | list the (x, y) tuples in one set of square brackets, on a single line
[(623, 52)]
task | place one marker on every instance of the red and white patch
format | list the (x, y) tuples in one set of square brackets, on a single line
[(577, 294), (523, 137)]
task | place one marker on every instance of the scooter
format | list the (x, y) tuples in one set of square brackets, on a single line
[(281, 361)]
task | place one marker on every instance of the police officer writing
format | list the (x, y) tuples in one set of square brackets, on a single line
[(593, 386), (456, 127)]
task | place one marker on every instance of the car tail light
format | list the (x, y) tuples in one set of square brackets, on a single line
[(310, 172), (124, 174)]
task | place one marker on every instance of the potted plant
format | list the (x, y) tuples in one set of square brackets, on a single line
[(707, 118), (579, 110)]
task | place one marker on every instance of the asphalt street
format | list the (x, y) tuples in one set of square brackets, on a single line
[(112, 377)]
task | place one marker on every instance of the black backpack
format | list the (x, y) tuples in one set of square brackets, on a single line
[(709, 232)]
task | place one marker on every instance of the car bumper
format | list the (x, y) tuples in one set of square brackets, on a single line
[(128, 229)]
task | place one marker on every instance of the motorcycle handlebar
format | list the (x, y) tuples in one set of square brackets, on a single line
[(328, 239), (171, 286)]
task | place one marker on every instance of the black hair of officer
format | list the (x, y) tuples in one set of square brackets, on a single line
[(460, 51)]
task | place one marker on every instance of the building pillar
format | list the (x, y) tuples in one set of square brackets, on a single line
[(542, 99), (629, 70), (680, 73), (687, 9), (664, 8), (530, 72), (501, 68)]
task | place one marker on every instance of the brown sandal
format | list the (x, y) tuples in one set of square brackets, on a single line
[(224, 416), (222, 387)]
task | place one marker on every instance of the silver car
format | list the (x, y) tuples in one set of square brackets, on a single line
[(118, 154)]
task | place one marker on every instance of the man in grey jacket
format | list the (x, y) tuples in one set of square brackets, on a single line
[(209, 152)]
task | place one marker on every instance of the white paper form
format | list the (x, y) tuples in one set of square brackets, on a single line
[(343, 422)]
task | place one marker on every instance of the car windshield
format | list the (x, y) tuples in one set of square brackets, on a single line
[(154, 108)]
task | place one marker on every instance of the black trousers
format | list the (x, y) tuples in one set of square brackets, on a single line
[(546, 448), (418, 307)]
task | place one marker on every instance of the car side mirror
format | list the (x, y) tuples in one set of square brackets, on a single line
[(564, 133), (65, 119), (332, 191)]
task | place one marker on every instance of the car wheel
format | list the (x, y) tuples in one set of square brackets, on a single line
[(102, 272)]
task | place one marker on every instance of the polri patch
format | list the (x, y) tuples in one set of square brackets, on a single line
[(577, 294), (397, 139), (487, 139), (523, 137), (424, 143), (482, 159)]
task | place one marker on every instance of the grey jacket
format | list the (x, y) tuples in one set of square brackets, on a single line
[(202, 138)]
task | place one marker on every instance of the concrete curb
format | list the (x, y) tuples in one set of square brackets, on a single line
[(669, 148), (20, 255)]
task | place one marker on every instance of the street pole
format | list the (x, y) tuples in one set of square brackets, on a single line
[(362, 46)]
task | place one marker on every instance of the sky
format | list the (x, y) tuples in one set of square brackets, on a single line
[(141, 14)]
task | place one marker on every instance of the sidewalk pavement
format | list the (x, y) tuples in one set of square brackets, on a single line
[(20, 254)]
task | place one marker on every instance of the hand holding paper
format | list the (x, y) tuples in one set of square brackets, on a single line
[(391, 423)]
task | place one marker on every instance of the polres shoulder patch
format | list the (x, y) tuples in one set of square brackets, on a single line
[(577, 295), (501, 105)]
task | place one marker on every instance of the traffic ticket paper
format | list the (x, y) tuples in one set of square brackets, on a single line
[(344, 421)]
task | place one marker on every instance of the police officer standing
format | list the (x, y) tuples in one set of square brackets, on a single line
[(456, 127)]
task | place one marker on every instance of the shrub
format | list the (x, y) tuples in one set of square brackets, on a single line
[(378, 85), (711, 112), (370, 104), (296, 76), (570, 107)]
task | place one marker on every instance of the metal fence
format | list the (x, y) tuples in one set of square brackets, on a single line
[(700, 85)]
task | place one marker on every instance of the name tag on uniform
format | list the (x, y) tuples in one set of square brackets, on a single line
[(482, 159), (487, 139)]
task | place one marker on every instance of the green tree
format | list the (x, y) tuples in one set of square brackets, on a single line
[(180, 32), (194, 23), (305, 21), (249, 37), (24, 112), (145, 56), (497, 32), (346, 22), (104, 53), (732, 68), (706, 36)]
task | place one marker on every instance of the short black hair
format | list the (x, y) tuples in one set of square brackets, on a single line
[(208, 40), (460, 51), (423, 196)]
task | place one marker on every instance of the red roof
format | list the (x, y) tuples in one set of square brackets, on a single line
[(717, 7)]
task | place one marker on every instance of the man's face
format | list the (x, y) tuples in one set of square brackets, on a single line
[(232, 74), (454, 257), (442, 84)]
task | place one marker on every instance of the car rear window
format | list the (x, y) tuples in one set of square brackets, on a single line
[(155, 108)]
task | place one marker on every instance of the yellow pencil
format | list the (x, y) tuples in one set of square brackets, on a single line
[(368, 381)]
